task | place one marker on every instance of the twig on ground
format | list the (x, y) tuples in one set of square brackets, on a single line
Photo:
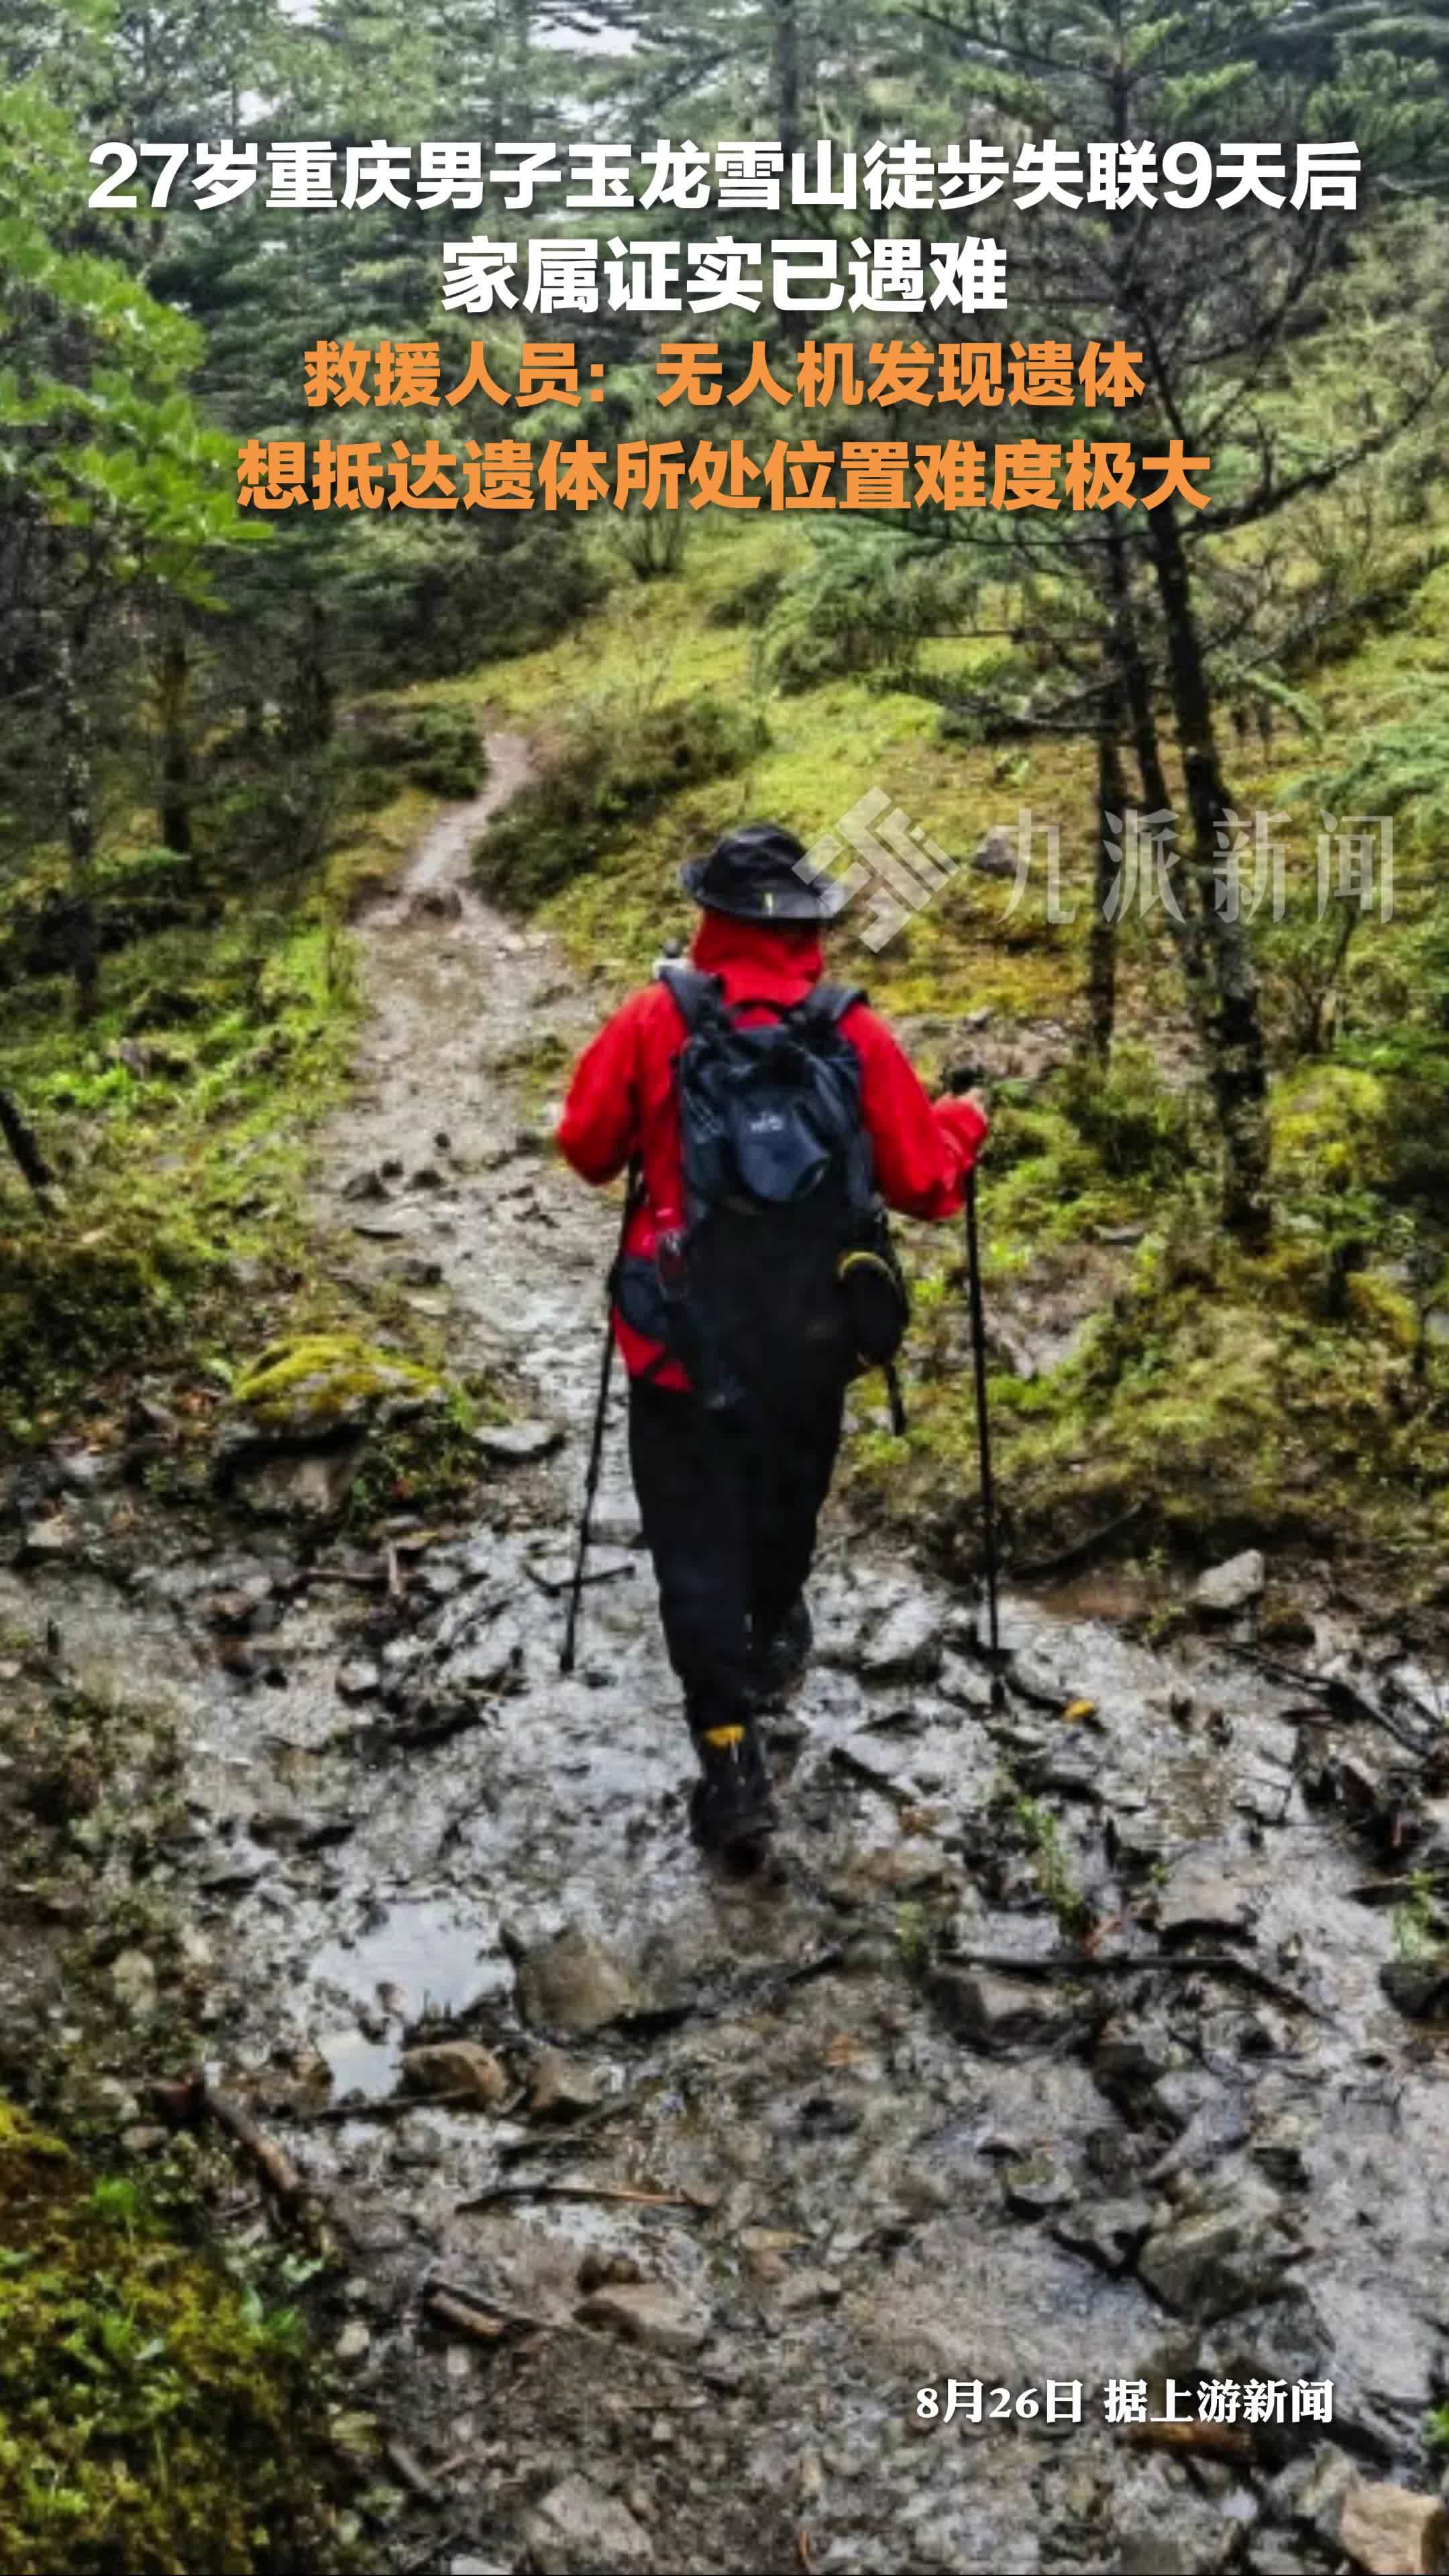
[(579, 2191), (196, 2099), (1171, 1963)]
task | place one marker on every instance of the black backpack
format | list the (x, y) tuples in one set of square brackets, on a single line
[(782, 1282)]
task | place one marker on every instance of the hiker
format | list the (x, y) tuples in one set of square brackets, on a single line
[(763, 1115)]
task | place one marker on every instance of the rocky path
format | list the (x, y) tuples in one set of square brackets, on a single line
[(726, 2171)]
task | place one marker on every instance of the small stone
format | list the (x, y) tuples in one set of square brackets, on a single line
[(1229, 1587), (1036, 2187), (578, 2528), (809, 2290), (358, 1678), (646, 2312), (1214, 2261), (557, 2088), (907, 1644), (133, 1982), (48, 1542), (1199, 1899), (514, 1444), (354, 2343), (1109, 2233), (145, 2138), (574, 1984), (457, 2066), (1390, 2532), (998, 2011)]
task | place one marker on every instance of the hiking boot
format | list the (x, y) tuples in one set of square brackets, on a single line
[(778, 1660), (731, 1803)]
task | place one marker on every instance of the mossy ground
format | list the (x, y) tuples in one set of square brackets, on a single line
[(154, 2415), (178, 1122), (1294, 1395)]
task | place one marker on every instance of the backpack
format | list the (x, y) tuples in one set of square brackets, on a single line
[(782, 1282)]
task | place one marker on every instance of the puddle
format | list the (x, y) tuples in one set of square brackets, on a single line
[(421, 1958)]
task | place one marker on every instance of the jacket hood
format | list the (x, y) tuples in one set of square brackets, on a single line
[(778, 964)]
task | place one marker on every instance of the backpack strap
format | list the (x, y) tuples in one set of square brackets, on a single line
[(828, 1003), (696, 996)]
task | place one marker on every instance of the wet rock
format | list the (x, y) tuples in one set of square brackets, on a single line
[(133, 1983), (906, 1646), (47, 1542), (1418, 1987), (1212, 2261), (1390, 2532), (145, 2138), (457, 2066), (558, 2088), (601, 2267), (646, 2312), (514, 1444), (1036, 2186), (324, 1384), (313, 1486), (358, 1678), (996, 856), (574, 1984), (577, 2529), (1200, 1898), (963, 1683), (436, 903), (996, 2011), (81, 1471), (1109, 2233), (1318, 2499), (809, 2289), (1230, 1587)]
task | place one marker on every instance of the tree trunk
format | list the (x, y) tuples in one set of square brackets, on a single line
[(1185, 922), (785, 62), (172, 689), (1237, 1063), (21, 1141), (309, 724), (1111, 807), (80, 832)]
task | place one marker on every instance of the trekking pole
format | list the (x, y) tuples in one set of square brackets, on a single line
[(596, 1446), (983, 1436)]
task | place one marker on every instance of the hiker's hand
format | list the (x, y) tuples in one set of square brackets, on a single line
[(966, 1123)]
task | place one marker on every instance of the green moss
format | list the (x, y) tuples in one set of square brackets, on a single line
[(320, 1382), (152, 2419)]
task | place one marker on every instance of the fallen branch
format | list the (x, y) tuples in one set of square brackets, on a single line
[(486, 2320), (579, 2191), (23, 1146), (1170, 1963), (408, 2469), (1339, 1698), (195, 2099)]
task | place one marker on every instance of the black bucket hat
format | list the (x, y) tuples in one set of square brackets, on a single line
[(758, 874)]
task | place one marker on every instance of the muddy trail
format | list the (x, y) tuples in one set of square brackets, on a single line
[(707, 2176)]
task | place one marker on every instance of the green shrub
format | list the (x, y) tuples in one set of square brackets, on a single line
[(565, 821), (1138, 1127), (435, 747)]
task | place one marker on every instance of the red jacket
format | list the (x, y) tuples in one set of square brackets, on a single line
[(621, 1099)]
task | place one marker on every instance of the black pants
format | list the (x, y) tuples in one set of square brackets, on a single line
[(729, 1512)]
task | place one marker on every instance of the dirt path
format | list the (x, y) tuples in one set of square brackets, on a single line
[(866, 2167)]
